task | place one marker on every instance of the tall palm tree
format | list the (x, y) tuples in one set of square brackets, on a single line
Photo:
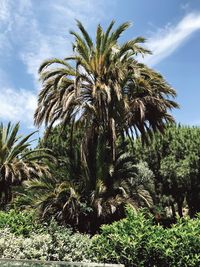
[(17, 161), (103, 88)]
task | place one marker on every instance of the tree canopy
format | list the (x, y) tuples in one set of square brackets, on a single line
[(174, 159)]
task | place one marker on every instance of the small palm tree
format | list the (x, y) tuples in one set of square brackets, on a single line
[(86, 202), (17, 161)]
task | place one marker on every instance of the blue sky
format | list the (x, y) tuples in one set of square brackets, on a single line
[(34, 30)]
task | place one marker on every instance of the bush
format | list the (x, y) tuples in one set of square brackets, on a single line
[(66, 245), (133, 241), (55, 243), (19, 222), (136, 241), (18, 247)]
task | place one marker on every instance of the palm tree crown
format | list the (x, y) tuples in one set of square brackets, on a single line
[(103, 86), (17, 161)]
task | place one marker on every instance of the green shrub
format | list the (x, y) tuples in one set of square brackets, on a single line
[(22, 237), (67, 245), (133, 241), (55, 243), (19, 247), (19, 222), (136, 241)]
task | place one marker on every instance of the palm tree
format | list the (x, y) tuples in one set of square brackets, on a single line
[(103, 88), (85, 202), (17, 161), (104, 91)]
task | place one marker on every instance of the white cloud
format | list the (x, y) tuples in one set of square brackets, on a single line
[(185, 6), (17, 105), (5, 25), (164, 42), (3, 78), (4, 10), (31, 31), (37, 40), (22, 30), (55, 42)]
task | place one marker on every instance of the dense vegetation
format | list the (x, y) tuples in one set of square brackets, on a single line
[(114, 144), (106, 95), (24, 238), (134, 241), (17, 161), (174, 159)]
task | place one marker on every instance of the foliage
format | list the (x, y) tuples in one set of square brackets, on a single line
[(17, 161), (22, 236), (136, 241), (18, 247), (19, 223), (75, 198), (67, 245), (105, 86), (55, 244), (100, 95), (174, 159)]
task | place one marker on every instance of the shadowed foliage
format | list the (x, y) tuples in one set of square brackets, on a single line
[(17, 161), (83, 201), (174, 159)]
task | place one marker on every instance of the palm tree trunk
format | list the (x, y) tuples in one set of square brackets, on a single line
[(173, 210), (180, 206), (91, 153)]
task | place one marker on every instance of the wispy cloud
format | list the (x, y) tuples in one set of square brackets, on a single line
[(17, 105), (37, 40), (164, 42), (185, 6), (4, 13), (30, 33)]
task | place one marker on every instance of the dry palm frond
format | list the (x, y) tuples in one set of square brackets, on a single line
[(107, 80), (17, 161)]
